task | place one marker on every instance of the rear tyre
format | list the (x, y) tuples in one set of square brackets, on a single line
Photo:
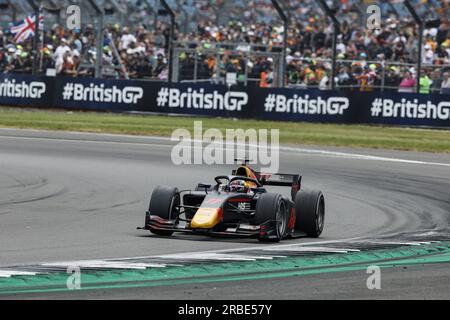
[(164, 204), (310, 212), (271, 207)]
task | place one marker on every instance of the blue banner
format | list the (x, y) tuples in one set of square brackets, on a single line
[(24, 90), (353, 107), (346, 107)]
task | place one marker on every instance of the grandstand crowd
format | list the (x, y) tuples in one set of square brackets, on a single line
[(251, 44)]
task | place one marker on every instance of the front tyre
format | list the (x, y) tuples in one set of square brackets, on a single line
[(164, 204), (310, 212), (271, 208)]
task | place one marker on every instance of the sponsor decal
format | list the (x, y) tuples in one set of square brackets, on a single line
[(306, 105), (101, 93), (198, 99), (23, 90), (410, 109)]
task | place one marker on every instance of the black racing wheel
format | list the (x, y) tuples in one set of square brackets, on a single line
[(271, 207), (310, 212), (164, 204)]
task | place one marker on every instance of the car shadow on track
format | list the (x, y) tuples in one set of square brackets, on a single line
[(201, 238)]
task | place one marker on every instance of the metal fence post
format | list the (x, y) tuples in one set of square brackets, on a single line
[(100, 38), (171, 40), (35, 53), (217, 66), (420, 23), (100, 41), (337, 27), (176, 64), (284, 18), (195, 67), (334, 64)]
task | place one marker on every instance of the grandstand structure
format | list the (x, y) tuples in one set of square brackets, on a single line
[(294, 43)]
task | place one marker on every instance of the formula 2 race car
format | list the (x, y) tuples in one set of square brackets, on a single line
[(239, 205)]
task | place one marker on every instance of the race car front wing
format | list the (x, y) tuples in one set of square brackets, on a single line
[(266, 230)]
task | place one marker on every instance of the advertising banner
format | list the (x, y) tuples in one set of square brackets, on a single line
[(311, 105), (23, 90)]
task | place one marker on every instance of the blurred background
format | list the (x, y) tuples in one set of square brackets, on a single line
[(243, 37)]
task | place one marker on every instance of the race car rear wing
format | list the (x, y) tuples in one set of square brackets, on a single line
[(280, 180)]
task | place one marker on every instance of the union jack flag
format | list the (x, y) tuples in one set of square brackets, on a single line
[(25, 29)]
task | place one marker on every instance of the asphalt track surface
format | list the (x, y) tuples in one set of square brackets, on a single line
[(73, 196)]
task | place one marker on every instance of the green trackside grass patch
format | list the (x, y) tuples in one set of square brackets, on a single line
[(296, 133)]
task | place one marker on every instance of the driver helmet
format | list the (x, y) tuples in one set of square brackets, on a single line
[(238, 186)]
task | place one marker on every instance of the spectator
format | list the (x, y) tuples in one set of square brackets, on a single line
[(47, 60), (408, 83), (22, 63), (436, 78), (160, 69), (343, 78), (61, 51), (68, 67), (428, 55), (393, 79), (425, 83), (127, 39)]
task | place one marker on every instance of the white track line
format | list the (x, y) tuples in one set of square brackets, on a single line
[(213, 255), (312, 249), (410, 243), (326, 153), (10, 273), (104, 264), (230, 251), (216, 256)]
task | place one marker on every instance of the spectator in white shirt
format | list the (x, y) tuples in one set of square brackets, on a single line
[(428, 55), (127, 39), (59, 54), (61, 49)]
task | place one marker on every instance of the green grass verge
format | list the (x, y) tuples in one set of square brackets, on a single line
[(290, 132)]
